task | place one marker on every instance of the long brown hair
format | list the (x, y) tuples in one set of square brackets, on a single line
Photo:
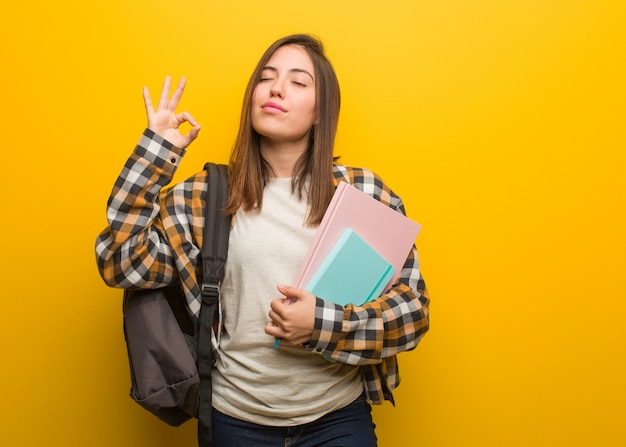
[(249, 172)]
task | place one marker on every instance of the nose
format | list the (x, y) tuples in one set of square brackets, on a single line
[(276, 89)]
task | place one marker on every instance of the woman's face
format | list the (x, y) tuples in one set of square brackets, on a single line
[(283, 103)]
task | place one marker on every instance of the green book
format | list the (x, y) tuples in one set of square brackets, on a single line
[(352, 272)]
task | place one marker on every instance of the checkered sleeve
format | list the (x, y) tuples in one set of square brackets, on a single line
[(379, 329), (132, 251)]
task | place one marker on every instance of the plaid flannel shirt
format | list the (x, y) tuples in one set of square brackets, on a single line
[(154, 238)]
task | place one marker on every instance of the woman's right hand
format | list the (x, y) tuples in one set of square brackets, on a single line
[(164, 121)]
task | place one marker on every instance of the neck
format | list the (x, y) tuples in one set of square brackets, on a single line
[(282, 156)]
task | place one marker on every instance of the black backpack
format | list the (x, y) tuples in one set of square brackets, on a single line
[(170, 357)]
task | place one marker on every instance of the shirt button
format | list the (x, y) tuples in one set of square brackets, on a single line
[(173, 160)]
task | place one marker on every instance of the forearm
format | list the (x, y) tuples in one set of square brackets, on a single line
[(393, 323), (132, 250)]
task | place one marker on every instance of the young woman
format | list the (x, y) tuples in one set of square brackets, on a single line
[(282, 178)]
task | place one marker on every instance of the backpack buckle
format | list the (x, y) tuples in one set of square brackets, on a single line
[(210, 293)]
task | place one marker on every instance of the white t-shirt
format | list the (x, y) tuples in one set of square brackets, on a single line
[(252, 381)]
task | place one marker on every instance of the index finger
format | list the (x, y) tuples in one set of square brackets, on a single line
[(277, 306)]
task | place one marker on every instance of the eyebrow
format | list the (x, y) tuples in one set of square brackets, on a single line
[(293, 70)]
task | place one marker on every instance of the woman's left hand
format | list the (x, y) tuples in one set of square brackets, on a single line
[(293, 323)]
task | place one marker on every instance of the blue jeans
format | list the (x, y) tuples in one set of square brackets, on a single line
[(351, 426)]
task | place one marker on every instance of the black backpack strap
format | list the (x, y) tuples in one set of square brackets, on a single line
[(214, 252)]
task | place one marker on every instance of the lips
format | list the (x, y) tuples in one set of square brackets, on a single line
[(272, 106)]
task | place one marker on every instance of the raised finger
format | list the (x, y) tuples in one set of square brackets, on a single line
[(165, 93), (178, 93), (147, 101)]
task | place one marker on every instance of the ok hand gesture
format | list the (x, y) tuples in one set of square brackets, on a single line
[(164, 121)]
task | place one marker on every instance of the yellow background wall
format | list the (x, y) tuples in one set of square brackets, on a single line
[(500, 123)]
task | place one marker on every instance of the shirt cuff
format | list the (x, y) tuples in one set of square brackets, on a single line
[(159, 152), (327, 328)]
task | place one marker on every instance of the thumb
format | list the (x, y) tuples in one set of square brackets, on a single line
[(290, 291), (293, 294), (285, 290), (192, 135)]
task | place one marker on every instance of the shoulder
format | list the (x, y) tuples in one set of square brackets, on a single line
[(369, 182), (359, 177), (194, 187)]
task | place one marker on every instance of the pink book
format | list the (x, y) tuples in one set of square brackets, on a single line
[(389, 232)]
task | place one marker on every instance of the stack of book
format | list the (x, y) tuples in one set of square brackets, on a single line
[(359, 249)]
